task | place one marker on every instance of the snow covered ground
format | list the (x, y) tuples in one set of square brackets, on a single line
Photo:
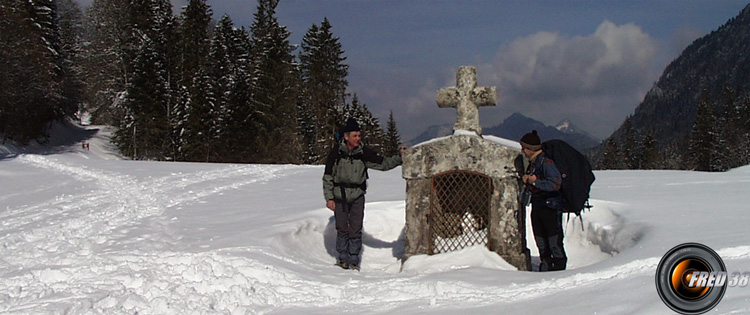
[(82, 231)]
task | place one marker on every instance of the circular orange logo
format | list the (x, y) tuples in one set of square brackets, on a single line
[(683, 273), (691, 278)]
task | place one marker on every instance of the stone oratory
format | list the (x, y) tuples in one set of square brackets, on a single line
[(462, 190)]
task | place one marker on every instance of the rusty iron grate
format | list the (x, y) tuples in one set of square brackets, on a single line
[(459, 210)]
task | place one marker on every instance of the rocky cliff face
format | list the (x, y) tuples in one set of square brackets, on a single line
[(704, 71)]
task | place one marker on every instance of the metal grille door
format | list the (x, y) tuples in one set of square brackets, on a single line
[(459, 210)]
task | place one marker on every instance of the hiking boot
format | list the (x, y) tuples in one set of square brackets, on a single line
[(354, 267), (342, 264), (559, 264), (545, 265)]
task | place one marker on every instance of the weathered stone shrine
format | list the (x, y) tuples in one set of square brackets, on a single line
[(462, 190)]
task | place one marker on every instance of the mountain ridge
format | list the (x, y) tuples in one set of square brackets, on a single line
[(514, 127), (709, 67)]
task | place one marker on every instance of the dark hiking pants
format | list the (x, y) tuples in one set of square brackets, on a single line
[(349, 217), (548, 234)]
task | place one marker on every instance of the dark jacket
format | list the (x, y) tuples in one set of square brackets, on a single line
[(345, 176), (547, 184)]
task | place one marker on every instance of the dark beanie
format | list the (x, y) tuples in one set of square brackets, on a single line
[(531, 141), (351, 125)]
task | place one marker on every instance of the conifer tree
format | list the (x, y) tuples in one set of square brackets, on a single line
[(160, 28), (743, 119), (274, 88), (372, 133), (651, 157), (194, 108), (220, 70), (630, 146), (30, 95), (202, 124), (193, 40), (108, 56), (324, 83), (392, 141), (142, 133), (44, 15), (240, 115), (144, 111), (723, 155), (613, 157), (70, 25), (702, 137)]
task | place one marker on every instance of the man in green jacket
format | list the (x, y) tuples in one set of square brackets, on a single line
[(344, 186)]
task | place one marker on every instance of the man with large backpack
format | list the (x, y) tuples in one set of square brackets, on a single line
[(543, 180), (344, 187)]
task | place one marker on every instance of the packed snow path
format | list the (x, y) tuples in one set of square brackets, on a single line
[(78, 243), (83, 235)]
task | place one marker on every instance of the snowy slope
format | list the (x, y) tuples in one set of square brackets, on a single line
[(81, 232)]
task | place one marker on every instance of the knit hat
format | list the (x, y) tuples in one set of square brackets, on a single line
[(351, 125), (531, 141)]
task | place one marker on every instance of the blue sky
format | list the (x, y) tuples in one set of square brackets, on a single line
[(589, 61)]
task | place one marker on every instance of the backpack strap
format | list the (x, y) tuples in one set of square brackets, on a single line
[(337, 156)]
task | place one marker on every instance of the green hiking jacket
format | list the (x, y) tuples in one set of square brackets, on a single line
[(345, 176)]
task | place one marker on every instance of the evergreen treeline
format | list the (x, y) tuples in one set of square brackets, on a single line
[(719, 140), (179, 87), (695, 116), (35, 76)]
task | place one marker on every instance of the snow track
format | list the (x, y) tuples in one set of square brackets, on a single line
[(63, 254), (74, 264), (127, 237)]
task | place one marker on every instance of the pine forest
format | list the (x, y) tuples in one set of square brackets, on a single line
[(179, 87)]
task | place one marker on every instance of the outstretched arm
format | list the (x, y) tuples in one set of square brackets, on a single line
[(375, 161)]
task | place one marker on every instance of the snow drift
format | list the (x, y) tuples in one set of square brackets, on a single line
[(82, 232)]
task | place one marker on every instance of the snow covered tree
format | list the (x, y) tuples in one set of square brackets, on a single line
[(274, 88), (201, 127), (132, 41), (743, 117), (30, 90), (372, 133), (44, 15), (392, 143), (702, 137), (143, 132), (108, 55), (630, 147), (728, 130), (165, 37), (220, 69), (613, 158), (70, 25), (240, 114), (193, 40), (194, 106), (651, 157), (323, 92)]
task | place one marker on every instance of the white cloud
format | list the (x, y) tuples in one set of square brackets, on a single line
[(549, 76)]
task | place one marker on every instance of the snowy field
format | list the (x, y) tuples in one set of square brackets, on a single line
[(82, 231)]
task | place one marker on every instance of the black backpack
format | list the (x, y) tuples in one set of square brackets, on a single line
[(576, 173)]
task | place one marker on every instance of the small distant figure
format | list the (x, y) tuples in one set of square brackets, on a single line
[(344, 187), (85, 146)]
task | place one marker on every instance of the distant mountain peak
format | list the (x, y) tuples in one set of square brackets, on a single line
[(514, 127), (568, 127), (565, 126)]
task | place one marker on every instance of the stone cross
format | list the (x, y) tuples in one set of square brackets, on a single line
[(466, 97)]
